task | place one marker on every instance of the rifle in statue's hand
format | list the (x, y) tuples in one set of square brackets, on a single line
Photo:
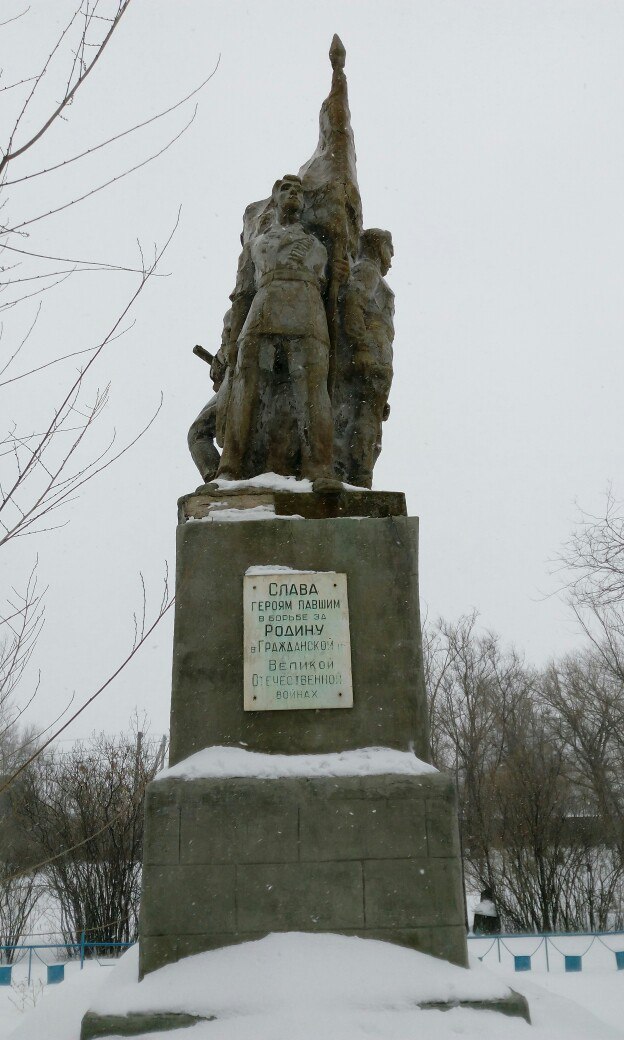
[(204, 354)]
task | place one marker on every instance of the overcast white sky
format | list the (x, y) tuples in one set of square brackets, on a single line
[(490, 141)]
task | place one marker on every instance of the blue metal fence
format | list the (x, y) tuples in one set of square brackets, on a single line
[(55, 972), (546, 943), (521, 960)]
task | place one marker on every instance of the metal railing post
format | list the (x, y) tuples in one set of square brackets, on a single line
[(82, 949)]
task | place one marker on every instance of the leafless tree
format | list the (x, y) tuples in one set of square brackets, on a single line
[(46, 461), (20, 888), (476, 687), (18, 901), (84, 808), (536, 768), (592, 563), (537, 864), (22, 851), (32, 745), (587, 708), (20, 625)]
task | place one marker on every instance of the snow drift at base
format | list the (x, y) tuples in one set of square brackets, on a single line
[(295, 968), (292, 986)]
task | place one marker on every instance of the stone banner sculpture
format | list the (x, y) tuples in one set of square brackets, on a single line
[(305, 365)]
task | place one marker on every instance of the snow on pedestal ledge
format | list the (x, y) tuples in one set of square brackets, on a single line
[(219, 762), (275, 482), (223, 516), (270, 481)]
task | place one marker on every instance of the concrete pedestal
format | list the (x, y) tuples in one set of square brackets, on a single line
[(230, 860), (378, 554)]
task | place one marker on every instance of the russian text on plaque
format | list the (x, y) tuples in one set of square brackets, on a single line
[(297, 644)]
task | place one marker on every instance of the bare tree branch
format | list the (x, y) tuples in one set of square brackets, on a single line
[(101, 187), (99, 264), (117, 137), (10, 153), (55, 491), (135, 648), (14, 18)]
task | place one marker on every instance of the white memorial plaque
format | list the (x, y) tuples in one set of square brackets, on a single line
[(297, 645)]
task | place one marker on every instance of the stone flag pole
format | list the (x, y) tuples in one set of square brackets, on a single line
[(299, 795)]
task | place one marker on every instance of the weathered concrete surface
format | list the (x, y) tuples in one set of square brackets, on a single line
[(230, 860), (96, 1026), (209, 498), (514, 1006), (379, 557)]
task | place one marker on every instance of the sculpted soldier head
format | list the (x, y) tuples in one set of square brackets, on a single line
[(376, 245), (288, 197)]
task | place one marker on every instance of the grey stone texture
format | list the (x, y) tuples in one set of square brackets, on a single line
[(209, 498), (229, 860), (514, 1006), (96, 1026), (379, 557), (364, 363)]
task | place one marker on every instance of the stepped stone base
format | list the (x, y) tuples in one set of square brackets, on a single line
[(96, 1027), (230, 860), (233, 859)]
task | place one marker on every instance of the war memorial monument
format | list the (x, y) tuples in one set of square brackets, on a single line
[(299, 796)]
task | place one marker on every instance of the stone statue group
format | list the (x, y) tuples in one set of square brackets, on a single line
[(304, 369)]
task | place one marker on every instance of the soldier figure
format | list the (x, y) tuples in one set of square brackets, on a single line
[(365, 370), (278, 318), (210, 423)]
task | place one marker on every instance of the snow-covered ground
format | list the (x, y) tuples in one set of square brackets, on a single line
[(302, 987), (42, 1012)]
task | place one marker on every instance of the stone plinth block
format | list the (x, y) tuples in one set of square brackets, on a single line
[(210, 498), (378, 555), (229, 860)]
